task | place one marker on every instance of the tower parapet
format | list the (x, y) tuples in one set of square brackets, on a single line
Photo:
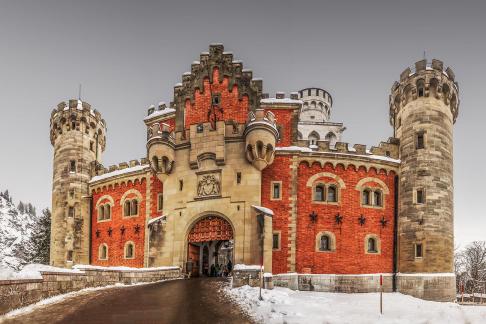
[(261, 135), (316, 105), (161, 149), (423, 108), (78, 135)]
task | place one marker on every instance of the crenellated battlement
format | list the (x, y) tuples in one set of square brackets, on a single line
[(425, 81), (204, 69), (281, 99), (385, 150), (77, 115), (162, 112), (104, 171)]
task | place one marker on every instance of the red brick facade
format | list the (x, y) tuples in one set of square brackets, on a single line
[(233, 107), (111, 233)]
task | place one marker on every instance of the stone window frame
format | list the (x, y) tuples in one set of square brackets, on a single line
[(418, 258), (332, 242), (101, 203), (422, 133), (361, 186), (272, 184), (316, 179), (73, 166), (415, 196), (99, 252), (160, 207), (279, 233), (377, 242), (125, 198), (125, 250)]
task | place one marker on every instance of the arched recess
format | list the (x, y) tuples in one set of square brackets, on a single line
[(103, 198), (362, 182), (316, 176), (137, 194), (210, 227)]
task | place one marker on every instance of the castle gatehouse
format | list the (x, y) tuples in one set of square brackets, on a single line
[(234, 174)]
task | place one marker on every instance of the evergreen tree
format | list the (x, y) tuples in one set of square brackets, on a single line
[(39, 245), (21, 207)]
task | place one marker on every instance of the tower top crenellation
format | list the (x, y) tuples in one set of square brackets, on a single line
[(427, 79)]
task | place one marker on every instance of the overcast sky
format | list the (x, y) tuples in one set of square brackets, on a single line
[(129, 54)]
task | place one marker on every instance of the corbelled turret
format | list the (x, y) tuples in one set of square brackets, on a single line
[(261, 135)]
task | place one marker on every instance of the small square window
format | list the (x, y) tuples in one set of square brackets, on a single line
[(276, 192), (71, 212), (419, 250), (71, 193), (70, 255), (200, 128), (312, 117), (276, 241), (72, 166), (238, 177), (216, 99), (420, 196)]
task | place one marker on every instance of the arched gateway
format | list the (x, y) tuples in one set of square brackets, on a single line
[(210, 243)]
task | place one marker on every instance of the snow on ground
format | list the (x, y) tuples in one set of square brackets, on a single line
[(282, 305)]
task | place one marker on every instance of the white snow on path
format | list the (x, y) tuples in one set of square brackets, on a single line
[(282, 305)]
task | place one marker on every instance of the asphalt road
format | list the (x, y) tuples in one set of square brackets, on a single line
[(177, 301)]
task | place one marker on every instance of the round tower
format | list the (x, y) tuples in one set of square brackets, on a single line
[(78, 137), (423, 108), (316, 105)]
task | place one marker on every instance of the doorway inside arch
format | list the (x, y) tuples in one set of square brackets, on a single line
[(210, 247)]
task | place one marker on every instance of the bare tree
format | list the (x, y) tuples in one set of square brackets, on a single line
[(470, 266)]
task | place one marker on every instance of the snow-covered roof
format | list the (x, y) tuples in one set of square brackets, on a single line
[(156, 219), (121, 268), (264, 210), (283, 100), (115, 173), (158, 113), (309, 150)]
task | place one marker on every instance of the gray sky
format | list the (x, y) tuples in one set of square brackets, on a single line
[(129, 54)]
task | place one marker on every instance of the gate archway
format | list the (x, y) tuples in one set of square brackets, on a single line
[(210, 246)]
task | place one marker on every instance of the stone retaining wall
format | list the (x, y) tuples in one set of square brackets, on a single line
[(20, 293)]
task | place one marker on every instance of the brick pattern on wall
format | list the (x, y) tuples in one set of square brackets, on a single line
[(349, 255), (284, 121), (116, 242), (232, 106), (278, 171)]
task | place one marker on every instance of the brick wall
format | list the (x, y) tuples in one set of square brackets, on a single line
[(284, 122), (233, 107), (349, 256), (116, 242), (279, 170)]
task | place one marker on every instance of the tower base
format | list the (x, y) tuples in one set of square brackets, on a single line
[(428, 286)]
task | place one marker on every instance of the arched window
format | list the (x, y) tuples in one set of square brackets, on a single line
[(332, 194), (366, 197), (107, 211), (372, 245), (377, 197), (101, 213), (129, 250), (134, 207), (103, 252), (325, 243), (126, 208), (319, 192), (331, 138)]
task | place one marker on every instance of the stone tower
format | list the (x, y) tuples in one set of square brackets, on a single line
[(78, 136), (423, 108)]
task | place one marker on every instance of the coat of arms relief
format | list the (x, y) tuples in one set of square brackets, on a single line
[(208, 185)]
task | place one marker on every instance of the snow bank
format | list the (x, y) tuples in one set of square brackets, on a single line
[(246, 267), (81, 267), (32, 271), (282, 305)]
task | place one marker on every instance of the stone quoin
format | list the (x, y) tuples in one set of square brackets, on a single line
[(222, 149)]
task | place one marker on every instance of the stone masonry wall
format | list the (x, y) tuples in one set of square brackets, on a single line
[(19, 293)]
